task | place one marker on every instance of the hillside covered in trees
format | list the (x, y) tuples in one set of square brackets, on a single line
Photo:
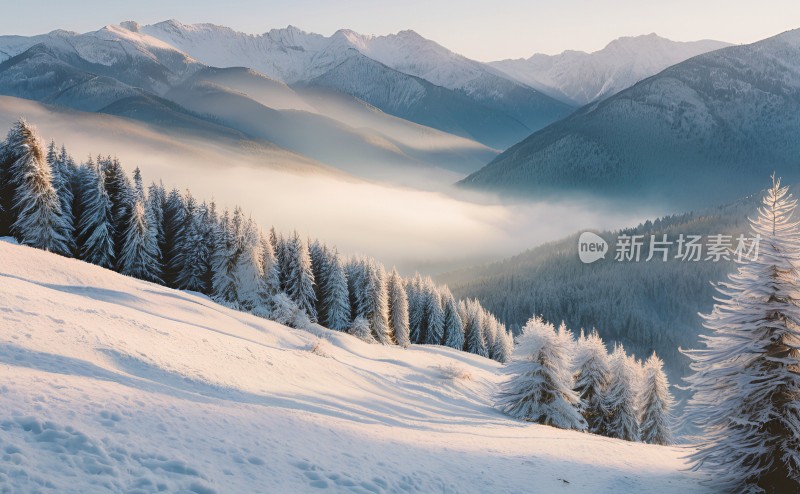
[(94, 212)]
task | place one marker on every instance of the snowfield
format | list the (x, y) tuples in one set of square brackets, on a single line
[(110, 384)]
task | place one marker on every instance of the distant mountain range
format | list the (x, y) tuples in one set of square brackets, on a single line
[(399, 107), (698, 133), (579, 78)]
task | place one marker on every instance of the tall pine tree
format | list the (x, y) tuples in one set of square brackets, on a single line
[(746, 382)]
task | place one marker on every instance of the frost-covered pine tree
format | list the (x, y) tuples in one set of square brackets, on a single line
[(503, 345), (434, 334), (621, 401), (398, 309), (361, 330), (96, 229), (540, 387), (657, 403), (453, 327), (335, 294), (120, 192), (746, 380), (171, 252), (374, 301), (193, 251), (224, 259), (300, 278), (140, 249), (249, 270), (416, 308), (36, 209), (156, 198), (319, 266), (62, 168), (592, 377), (474, 339), (270, 284)]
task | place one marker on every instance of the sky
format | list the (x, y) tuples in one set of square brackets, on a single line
[(483, 31)]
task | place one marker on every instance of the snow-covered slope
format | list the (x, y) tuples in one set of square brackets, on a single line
[(110, 384), (581, 77), (698, 133)]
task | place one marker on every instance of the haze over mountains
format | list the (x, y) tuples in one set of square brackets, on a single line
[(699, 133), (397, 108)]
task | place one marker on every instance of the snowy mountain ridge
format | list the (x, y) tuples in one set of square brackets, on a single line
[(109, 382), (582, 77)]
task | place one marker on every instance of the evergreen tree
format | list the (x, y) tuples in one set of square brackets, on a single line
[(434, 334), (140, 250), (171, 251), (502, 346), (657, 403), (592, 378), (398, 309), (38, 220), (453, 327), (540, 389), (62, 168), (249, 270), (320, 268), (156, 200), (474, 339), (361, 330), (336, 295), (96, 229), (746, 382), (621, 401), (194, 249), (373, 303), (416, 308), (270, 283), (300, 278), (121, 194), (224, 259)]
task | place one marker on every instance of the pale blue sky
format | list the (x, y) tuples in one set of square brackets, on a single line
[(485, 31)]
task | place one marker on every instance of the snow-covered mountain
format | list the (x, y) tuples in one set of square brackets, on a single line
[(579, 77), (700, 132), (122, 71), (115, 385), (464, 87)]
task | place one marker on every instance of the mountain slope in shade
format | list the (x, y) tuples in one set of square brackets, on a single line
[(699, 133), (579, 77), (463, 87), (115, 385)]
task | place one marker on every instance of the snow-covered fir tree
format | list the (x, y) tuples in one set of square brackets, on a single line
[(62, 168), (171, 251), (270, 282), (140, 249), (474, 339), (361, 330), (120, 192), (416, 308), (319, 266), (453, 327), (503, 343), (434, 325), (156, 198), (335, 294), (36, 212), (746, 380), (194, 249), (249, 270), (373, 300), (398, 309), (224, 259), (657, 403), (299, 277), (621, 401), (96, 228), (540, 387), (592, 377)]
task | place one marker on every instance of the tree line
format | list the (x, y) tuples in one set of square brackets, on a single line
[(95, 212), (575, 384)]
